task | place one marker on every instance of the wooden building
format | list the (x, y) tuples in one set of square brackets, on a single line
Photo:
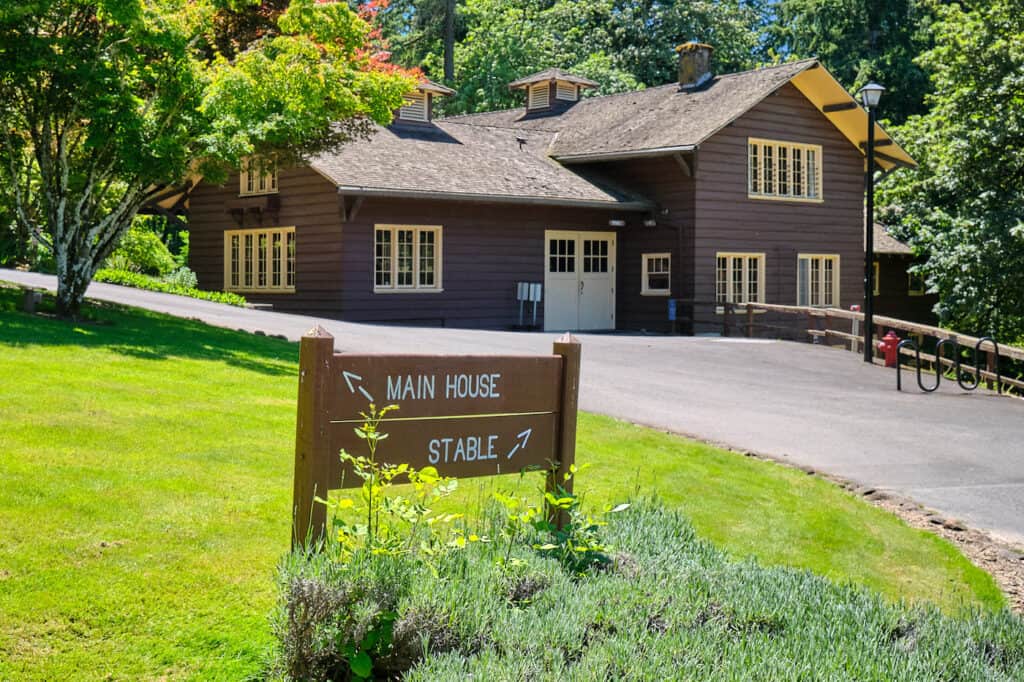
[(898, 292), (740, 187)]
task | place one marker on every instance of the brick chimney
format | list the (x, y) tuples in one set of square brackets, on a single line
[(694, 64)]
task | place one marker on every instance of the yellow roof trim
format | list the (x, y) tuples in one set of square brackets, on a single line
[(822, 89)]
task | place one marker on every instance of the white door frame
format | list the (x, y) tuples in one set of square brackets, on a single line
[(550, 279)]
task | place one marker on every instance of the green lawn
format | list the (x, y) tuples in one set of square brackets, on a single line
[(146, 480)]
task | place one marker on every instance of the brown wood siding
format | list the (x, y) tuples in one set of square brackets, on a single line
[(661, 180), (310, 204), (486, 250), (727, 220), (894, 299)]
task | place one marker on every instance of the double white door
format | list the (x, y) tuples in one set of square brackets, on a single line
[(579, 280)]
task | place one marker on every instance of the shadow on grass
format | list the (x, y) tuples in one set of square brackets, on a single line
[(141, 334)]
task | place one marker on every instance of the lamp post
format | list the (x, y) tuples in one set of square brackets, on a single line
[(869, 96)]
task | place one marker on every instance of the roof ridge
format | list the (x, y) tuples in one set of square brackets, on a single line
[(583, 100), (769, 67)]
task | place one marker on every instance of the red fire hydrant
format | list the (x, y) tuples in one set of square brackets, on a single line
[(888, 346)]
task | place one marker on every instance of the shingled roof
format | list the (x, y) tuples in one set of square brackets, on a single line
[(885, 243), (470, 162), (521, 156), (549, 75), (656, 118)]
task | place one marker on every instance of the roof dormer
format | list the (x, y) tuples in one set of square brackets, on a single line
[(551, 89), (419, 104)]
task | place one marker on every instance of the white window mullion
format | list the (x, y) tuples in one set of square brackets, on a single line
[(394, 257)]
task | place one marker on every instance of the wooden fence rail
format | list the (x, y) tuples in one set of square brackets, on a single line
[(818, 325)]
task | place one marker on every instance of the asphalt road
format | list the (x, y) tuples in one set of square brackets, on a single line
[(962, 454)]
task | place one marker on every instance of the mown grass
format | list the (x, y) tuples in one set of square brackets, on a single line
[(146, 469)]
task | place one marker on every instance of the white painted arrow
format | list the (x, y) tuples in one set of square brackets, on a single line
[(349, 376), (524, 438)]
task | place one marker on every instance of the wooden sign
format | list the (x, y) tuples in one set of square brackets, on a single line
[(465, 415)]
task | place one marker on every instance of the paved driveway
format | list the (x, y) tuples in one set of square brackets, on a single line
[(960, 453)]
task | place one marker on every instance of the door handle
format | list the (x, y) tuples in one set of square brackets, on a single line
[(581, 287)]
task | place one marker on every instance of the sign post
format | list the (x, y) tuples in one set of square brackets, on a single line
[(471, 415)]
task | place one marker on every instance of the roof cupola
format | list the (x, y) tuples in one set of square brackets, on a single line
[(419, 104), (551, 89)]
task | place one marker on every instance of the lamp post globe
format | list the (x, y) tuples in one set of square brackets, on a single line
[(870, 95)]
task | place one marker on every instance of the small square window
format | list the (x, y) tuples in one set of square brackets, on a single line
[(915, 284), (657, 274), (258, 176)]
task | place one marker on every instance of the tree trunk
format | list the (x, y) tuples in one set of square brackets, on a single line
[(73, 278), (449, 41), (70, 294)]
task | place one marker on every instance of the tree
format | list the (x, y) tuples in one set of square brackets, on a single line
[(861, 41), (424, 33), (106, 103), (625, 43), (964, 207)]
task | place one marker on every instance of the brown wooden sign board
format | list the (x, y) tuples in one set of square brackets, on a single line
[(465, 415)]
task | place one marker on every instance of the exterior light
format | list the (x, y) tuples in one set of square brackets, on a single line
[(870, 94)]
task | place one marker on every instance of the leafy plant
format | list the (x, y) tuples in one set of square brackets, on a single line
[(141, 250), (576, 543), (390, 523), (140, 281), (183, 278)]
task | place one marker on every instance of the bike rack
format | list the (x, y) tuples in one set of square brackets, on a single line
[(974, 379)]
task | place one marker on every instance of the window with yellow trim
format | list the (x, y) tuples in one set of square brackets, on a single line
[(260, 260), (915, 284), (817, 279), (657, 274), (877, 279), (739, 277), (783, 170), (258, 176), (407, 258)]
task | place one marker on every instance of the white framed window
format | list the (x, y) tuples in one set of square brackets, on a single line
[(406, 258), (260, 260), (739, 278), (817, 280), (657, 274), (783, 170), (566, 91), (538, 96), (915, 284), (415, 107), (258, 176)]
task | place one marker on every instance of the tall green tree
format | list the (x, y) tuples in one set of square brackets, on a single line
[(104, 103), (860, 41), (424, 33), (964, 208), (621, 44)]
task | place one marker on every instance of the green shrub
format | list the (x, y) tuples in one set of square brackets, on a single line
[(181, 243), (141, 250), (668, 606), (139, 281), (182, 278)]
